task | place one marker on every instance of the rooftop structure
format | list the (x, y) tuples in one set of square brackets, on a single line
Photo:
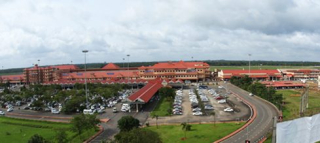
[(298, 74), (284, 84), (193, 71), (254, 74)]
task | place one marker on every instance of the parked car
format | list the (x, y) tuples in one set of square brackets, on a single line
[(208, 107), (197, 113), (114, 110), (2, 113), (250, 94), (177, 113), (26, 108), (196, 109), (9, 109), (88, 111), (222, 101), (228, 109)]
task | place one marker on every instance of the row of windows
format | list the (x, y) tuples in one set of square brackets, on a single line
[(170, 76)]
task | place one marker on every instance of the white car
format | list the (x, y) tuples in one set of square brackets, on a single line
[(222, 101), (9, 109), (2, 113), (250, 94), (228, 109), (196, 109), (197, 113), (55, 111), (220, 87)]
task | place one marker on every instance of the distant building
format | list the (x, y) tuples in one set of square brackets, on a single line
[(171, 71), (263, 75), (298, 74), (192, 71), (38, 74), (14, 79), (284, 84)]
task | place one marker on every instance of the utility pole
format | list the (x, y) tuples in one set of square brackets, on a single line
[(85, 77), (249, 64)]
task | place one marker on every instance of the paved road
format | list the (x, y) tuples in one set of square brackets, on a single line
[(261, 125)]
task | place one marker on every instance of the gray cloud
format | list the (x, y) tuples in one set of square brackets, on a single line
[(57, 31)]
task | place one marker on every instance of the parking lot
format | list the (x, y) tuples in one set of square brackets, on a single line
[(241, 111)]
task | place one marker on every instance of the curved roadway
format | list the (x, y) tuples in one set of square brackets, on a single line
[(261, 125)]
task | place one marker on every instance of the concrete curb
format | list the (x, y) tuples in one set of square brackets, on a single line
[(244, 126), (194, 123), (263, 140), (37, 116), (94, 136)]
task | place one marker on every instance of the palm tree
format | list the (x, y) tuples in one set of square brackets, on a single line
[(155, 116), (185, 127), (214, 117)]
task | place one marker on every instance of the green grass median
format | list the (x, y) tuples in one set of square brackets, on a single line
[(162, 108), (20, 130), (200, 133)]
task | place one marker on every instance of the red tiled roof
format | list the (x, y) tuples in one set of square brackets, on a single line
[(282, 84), (251, 71), (12, 77), (177, 65), (146, 93), (100, 74), (111, 66), (66, 67)]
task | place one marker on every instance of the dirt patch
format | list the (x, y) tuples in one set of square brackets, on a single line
[(295, 95)]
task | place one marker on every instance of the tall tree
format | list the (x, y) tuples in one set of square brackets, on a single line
[(138, 136), (37, 139), (127, 123)]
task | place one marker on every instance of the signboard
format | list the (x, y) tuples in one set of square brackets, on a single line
[(164, 83), (111, 73), (65, 74)]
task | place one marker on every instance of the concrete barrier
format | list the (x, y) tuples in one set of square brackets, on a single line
[(38, 116), (94, 136)]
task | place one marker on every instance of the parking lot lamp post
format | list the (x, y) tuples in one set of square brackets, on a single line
[(85, 77), (39, 71), (123, 60), (128, 67), (249, 65)]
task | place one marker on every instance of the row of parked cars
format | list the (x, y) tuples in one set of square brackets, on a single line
[(177, 104), (196, 111)]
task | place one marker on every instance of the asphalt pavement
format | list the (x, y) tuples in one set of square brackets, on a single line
[(261, 125)]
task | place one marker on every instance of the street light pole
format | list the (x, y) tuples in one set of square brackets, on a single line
[(128, 66), (123, 60), (85, 77), (39, 71), (249, 64)]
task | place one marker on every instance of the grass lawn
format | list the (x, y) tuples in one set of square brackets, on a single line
[(262, 67), (162, 108), (20, 130), (200, 133), (291, 108)]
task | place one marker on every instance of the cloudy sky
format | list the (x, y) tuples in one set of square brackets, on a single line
[(56, 31)]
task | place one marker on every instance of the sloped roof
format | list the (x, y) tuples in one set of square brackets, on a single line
[(111, 66), (177, 65), (146, 93), (66, 67)]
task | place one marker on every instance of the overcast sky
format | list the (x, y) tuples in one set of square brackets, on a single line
[(56, 31)]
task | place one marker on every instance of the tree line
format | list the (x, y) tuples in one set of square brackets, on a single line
[(258, 89)]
